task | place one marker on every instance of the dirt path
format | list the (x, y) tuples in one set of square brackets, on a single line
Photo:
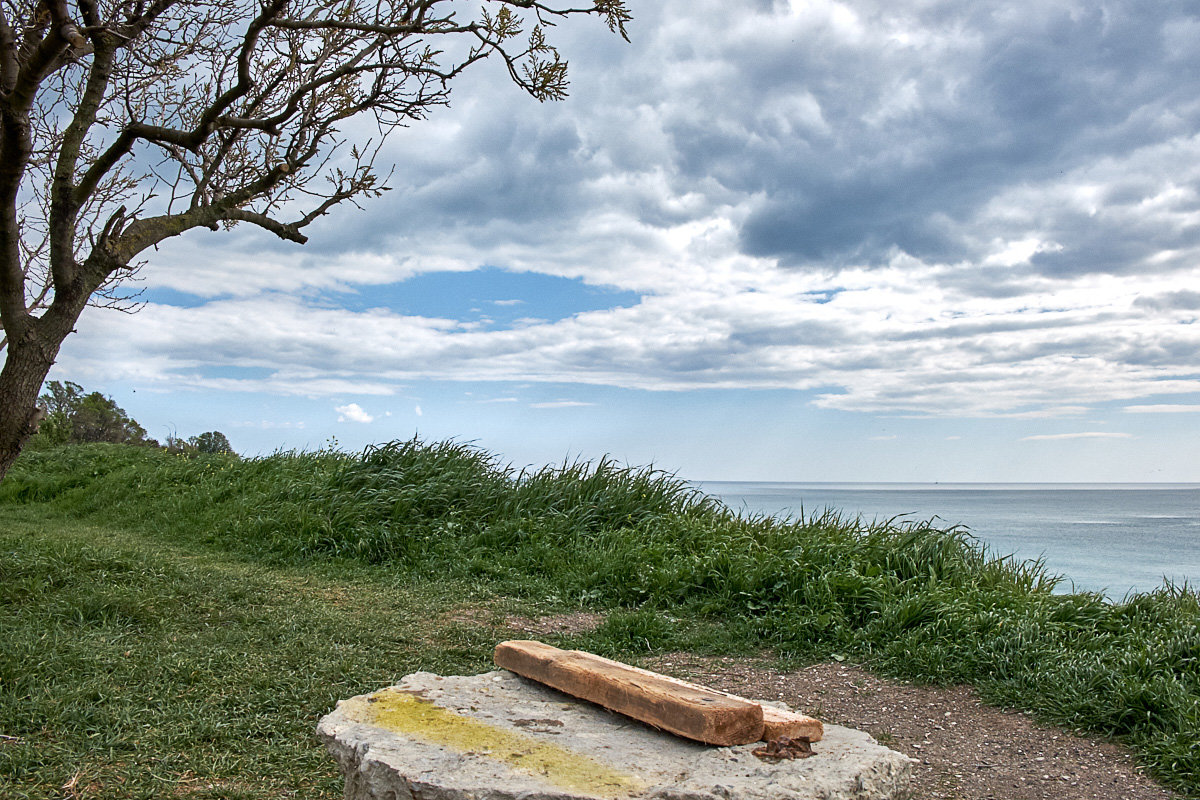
[(966, 750)]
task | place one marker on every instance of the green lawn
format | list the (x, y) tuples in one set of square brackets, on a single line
[(132, 668)]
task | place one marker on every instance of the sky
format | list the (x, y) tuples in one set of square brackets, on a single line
[(913, 240)]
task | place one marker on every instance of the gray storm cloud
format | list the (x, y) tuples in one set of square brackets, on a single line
[(918, 207)]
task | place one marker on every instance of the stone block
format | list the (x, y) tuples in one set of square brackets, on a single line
[(498, 736)]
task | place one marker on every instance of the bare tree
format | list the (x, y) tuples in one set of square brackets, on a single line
[(126, 122)]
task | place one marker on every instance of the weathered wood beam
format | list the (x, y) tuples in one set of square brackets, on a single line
[(675, 706), (776, 721)]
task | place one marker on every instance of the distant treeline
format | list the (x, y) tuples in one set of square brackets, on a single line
[(72, 416)]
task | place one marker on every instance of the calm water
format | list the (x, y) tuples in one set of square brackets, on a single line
[(1111, 538)]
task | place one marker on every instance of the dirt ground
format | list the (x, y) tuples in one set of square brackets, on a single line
[(965, 750)]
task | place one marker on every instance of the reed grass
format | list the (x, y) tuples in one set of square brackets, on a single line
[(674, 568)]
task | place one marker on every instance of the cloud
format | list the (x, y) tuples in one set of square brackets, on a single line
[(266, 424), (1082, 435), (833, 134), (1163, 408), (561, 404), (951, 108), (923, 209), (881, 340), (353, 413), (1184, 300), (417, 410)]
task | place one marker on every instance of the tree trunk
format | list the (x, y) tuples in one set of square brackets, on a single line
[(20, 382), (28, 361)]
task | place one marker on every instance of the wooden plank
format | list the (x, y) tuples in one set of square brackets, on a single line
[(776, 721), (689, 711)]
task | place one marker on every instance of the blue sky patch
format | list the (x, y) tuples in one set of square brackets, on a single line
[(494, 296), (172, 297)]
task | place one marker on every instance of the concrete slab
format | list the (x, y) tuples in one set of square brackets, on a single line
[(498, 736)]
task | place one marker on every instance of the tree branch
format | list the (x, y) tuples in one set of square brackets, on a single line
[(245, 82), (143, 233), (8, 55), (283, 230), (65, 199), (363, 27), (91, 14), (102, 164), (63, 24), (15, 148), (125, 140), (61, 36)]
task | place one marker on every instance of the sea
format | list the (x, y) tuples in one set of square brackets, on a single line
[(1115, 539)]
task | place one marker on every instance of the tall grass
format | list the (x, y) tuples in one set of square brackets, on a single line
[(677, 568)]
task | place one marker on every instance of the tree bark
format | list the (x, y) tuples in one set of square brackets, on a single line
[(20, 382), (30, 357)]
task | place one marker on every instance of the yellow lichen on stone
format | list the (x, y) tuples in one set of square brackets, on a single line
[(404, 713)]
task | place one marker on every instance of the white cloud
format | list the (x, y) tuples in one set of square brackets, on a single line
[(921, 211), (1163, 408), (267, 424), (352, 412), (882, 341), (417, 410), (561, 404), (1082, 435)]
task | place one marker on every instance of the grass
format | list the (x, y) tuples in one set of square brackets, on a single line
[(249, 595), (132, 668)]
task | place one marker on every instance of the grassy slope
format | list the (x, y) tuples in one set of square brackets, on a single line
[(134, 668), (223, 551)]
